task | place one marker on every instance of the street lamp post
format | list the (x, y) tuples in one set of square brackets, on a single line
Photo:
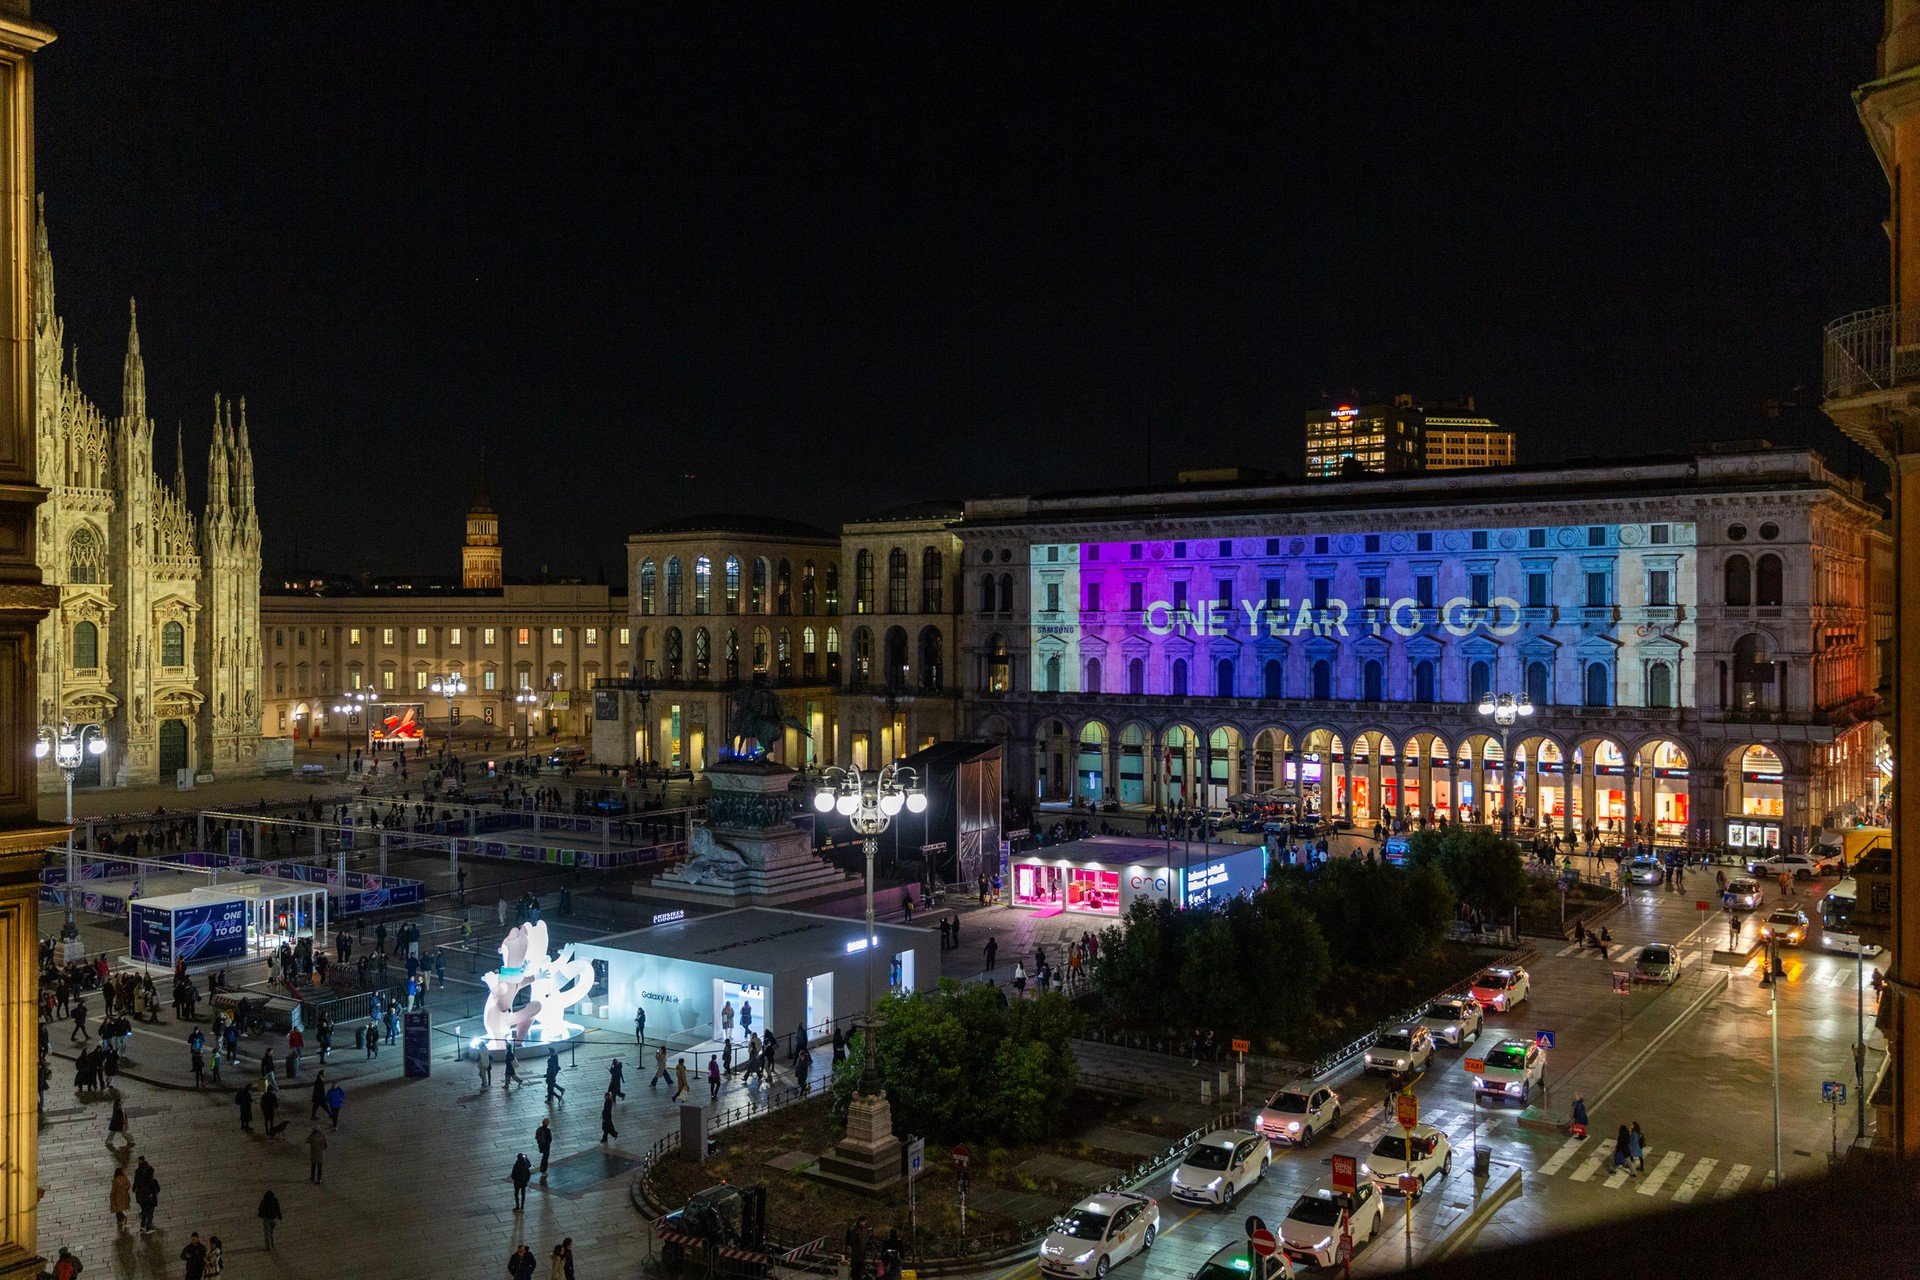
[(69, 746), (353, 703), (1505, 709), (525, 699), (869, 802), (450, 686)]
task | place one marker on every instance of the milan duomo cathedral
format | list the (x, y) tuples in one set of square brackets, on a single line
[(156, 638)]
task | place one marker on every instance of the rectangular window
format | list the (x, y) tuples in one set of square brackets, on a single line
[(1272, 588), (1423, 590), (1660, 587), (1322, 592), (1320, 545), (419, 635), (1053, 555), (1093, 597), (353, 635), (1053, 597), (1136, 596), (559, 636), (526, 679), (1479, 539), (386, 636), (1423, 541), (453, 635), (1597, 535), (486, 635), (1135, 552), (1179, 551), (1179, 595), (353, 678), (592, 636), (1536, 591), (1093, 551), (1273, 546), (1226, 546), (522, 635), (1597, 589), (1223, 592), (626, 636), (1373, 542), (489, 680), (386, 679), (300, 637), (1372, 589), (1479, 589), (1660, 534), (419, 680), (1536, 538)]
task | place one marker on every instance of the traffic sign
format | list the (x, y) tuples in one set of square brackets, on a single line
[(1346, 1174), (1622, 982), (1262, 1242), (1240, 1046), (1833, 1091), (1543, 1038), (1701, 905), (1475, 1066), (1406, 1109), (1410, 1185), (916, 1156), (961, 1156), (1255, 1223)]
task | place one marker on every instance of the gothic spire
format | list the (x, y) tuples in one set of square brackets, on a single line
[(217, 475), (133, 382), (42, 268), (180, 459), (243, 468)]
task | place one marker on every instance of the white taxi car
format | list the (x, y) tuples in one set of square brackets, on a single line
[(1512, 1069), (1427, 1156), (1457, 1021), (1220, 1164), (1502, 988), (1400, 1050), (1100, 1233), (1311, 1233), (1294, 1114)]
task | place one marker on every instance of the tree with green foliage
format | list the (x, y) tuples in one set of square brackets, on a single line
[(963, 1063), (1483, 868)]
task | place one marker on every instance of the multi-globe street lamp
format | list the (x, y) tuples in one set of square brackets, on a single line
[(525, 700), (1505, 709), (450, 686), (353, 704), (869, 803), (70, 745)]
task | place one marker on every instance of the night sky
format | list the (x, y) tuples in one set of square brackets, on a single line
[(658, 260)]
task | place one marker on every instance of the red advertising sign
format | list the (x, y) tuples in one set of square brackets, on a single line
[(1346, 1174)]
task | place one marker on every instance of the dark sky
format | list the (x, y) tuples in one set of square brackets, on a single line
[(658, 259)]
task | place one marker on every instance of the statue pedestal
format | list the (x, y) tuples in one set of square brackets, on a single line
[(748, 852), (868, 1158)]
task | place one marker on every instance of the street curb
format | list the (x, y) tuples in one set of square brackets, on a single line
[(1469, 1227)]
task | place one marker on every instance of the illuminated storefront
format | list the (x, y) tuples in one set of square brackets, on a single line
[(1103, 875)]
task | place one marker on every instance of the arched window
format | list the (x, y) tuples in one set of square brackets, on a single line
[(1538, 687), (675, 657), (173, 645), (833, 589), (1597, 683), (896, 672), (1767, 585), (1423, 683), (757, 598), (897, 580), (809, 659), (783, 654), (932, 659), (1223, 678), (762, 642), (862, 658), (1093, 676), (833, 654), (86, 558), (731, 655), (1479, 680), (647, 574), (86, 646), (1739, 592), (703, 585), (702, 653), (1053, 673), (731, 587), (863, 582), (1372, 677), (1136, 676), (1659, 685), (673, 584), (931, 581), (783, 589), (1753, 672), (1006, 593), (986, 593), (1273, 681), (1322, 680), (808, 596), (1178, 684)]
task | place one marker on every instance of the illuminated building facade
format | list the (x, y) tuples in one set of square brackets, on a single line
[(1695, 632), (1403, 436)]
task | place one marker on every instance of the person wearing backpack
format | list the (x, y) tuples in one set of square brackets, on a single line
[(66, 1266)]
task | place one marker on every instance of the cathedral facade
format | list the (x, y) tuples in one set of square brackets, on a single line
[(156, 636)]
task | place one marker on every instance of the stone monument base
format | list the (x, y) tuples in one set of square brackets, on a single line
[(749, 852), (868, 1158)]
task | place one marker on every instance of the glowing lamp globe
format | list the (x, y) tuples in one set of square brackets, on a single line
[(916, 802), (890, 803), (823, 801), (95, 746), (40, 749), (845, 805)]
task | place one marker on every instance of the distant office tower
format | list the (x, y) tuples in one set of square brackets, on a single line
[(1403, 436)]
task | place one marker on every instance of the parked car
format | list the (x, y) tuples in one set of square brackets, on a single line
[(1295, 1114), (1100, 1233), (1800, 866), (1224, 1162), (1657, 962)]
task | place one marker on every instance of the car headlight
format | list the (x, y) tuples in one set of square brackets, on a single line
[(1213, 1184), (1083, 1259), (1515, 1087), (1365, 1167), (1293, 1126), (1323, 1245)]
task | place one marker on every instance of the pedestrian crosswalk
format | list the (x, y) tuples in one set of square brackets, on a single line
[(1682, 1176), (1369, 1125), (1615, 953)]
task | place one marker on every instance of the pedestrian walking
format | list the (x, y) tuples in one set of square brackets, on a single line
[(317, 1096), (146, 1194), (1638, 1148), (553, 1078), (198, 1062), (606, 1118), (617, 1078), (543, 1139), (370, 1038), (1623, 1148), (713, 1077), (269, 1107), (195, 1256), (243, 1097), (522, 1175), (726, 1020), (316, 1155), (802, 1068), (66, 1266), (679, 1079), (216, 1257), (512, 1076), (521, 1264), (120, 1198), (640, 1027), (1733, 929), (117, 1122), (561, 1268), (660, 1066), (746, 1017), (993, 949), (485, 1060), (1579, 1126), (79, 1031), (336, 1099), (269, 1214)]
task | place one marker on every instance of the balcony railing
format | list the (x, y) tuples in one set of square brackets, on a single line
[(1874, 350)]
